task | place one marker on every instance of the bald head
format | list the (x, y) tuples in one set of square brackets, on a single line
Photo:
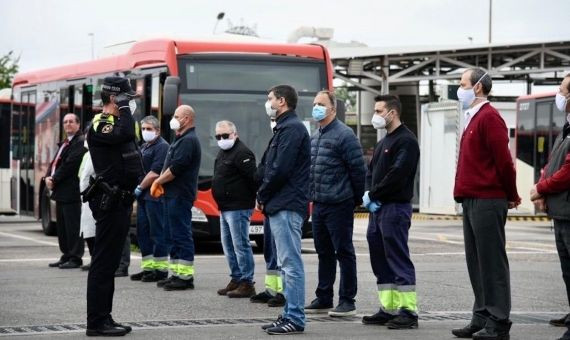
[(185, 115)]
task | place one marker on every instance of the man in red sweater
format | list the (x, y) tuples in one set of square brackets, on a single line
[(485, 185), (552, 193)]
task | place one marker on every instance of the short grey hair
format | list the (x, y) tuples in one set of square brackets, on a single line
[(481, 76), (227, 123), (152, 120)]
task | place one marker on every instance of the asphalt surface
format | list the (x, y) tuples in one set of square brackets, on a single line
[(41, 302)]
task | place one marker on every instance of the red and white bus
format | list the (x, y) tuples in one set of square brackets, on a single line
[(221, 80), (538, 124)]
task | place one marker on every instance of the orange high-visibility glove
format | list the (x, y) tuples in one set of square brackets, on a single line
[(156, 190)]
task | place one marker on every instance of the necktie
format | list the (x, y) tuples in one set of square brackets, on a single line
[(58, 157)]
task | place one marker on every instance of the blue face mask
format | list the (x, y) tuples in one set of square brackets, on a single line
[(319, 112)]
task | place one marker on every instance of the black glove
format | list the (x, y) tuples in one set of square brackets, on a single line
[(122, 101)]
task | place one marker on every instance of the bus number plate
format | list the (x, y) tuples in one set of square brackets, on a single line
[(256, 229)]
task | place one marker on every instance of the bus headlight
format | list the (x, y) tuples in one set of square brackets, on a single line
[(198, 215)]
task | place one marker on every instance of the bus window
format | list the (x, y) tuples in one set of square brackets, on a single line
[(525, 133), (542, 136), (87, 105)]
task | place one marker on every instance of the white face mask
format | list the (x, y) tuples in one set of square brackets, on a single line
[(174, 124), (467, 96), (226, 144), (133, 106), (561, 102), (271, 112), (148, 136), (378, 122)]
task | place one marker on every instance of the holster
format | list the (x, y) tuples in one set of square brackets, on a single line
[(111, 195)]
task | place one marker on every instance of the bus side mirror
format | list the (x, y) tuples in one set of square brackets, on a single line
[(171, 90), (340, 110)]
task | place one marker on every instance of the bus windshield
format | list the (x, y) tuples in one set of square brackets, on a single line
[(236, 90)]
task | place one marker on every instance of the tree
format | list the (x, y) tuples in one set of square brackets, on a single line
[(8, 68), (349, 98)]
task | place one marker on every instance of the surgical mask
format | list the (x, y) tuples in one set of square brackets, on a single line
[(378, 122), (467, 96), (174, 124), (271, 112), (132, 106), (226, 144), (319, 112), (148, 136), (561, 102)]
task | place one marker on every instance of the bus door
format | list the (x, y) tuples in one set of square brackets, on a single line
[(23, 125)]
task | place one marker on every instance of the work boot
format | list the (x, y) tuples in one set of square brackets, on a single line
[(154, 276), (403, 322), (559, 322), (262, 297), (138, 276), (179, 284), (467, 331), (231, 286), (161, 283), (71, 264), (277, 301), (244, 290), (381, 318)]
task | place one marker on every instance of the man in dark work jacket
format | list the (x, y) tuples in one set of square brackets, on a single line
[(62, 179)]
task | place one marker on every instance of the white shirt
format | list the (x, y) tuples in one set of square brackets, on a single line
[(470, 113)]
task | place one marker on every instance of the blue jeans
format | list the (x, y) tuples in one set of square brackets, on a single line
[(269, 251), (150, 229), (178, 217), (333, 225), (286, 229), (234, 230)]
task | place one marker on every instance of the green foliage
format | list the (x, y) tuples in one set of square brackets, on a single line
[(349, 98), (8, 68)]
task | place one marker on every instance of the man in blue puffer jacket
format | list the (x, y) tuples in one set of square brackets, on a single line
[(337, 178)]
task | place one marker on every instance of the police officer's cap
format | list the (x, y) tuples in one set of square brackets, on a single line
[(117, 85)]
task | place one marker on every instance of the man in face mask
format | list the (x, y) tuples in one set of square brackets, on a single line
[(178, 183), (336, 187), (552, 194), (390, 185), (233, 188), (150, 211), (485, 185), (283, 196)]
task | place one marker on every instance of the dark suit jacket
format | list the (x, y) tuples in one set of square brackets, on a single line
[(65, 177)]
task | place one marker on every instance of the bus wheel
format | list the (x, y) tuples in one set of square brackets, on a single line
[(48, 226), (258, 241)]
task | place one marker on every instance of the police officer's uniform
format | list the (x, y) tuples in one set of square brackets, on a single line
[(114, 154)]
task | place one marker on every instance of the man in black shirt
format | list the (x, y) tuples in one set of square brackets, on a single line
[(178, 182), (234, 188), (390, 181)]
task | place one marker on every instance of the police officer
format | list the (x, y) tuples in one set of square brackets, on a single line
[(118, 165)]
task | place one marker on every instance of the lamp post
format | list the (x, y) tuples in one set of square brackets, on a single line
[(218, 18), (92, 35)]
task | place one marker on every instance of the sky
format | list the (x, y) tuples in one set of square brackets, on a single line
[(47, 33)]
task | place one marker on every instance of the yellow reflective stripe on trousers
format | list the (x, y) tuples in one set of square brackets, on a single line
[(273, 283), (147, 263), (161, 264), (389, 298), (408, 300), (185, 269), (173, 266)]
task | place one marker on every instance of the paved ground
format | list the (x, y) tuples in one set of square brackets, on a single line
[(41, 302)]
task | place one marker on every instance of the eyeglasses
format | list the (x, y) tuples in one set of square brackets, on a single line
[(222, 136)]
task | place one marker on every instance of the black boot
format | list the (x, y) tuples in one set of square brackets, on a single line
[(467, 331)]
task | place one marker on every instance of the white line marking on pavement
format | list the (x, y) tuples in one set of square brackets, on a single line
[(29, 239)]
